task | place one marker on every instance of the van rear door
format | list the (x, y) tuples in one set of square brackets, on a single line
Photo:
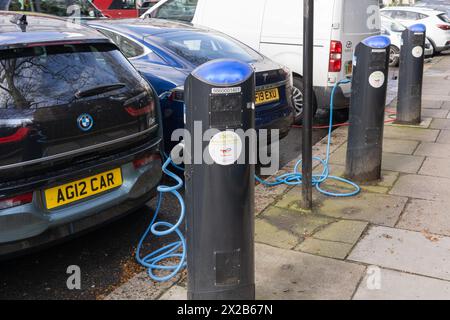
[(354, 21), (237, 18), (282, 35)]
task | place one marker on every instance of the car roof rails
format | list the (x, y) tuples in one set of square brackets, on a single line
[(21, 21)]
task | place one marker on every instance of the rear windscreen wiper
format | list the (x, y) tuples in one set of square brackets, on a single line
[(98, 90)]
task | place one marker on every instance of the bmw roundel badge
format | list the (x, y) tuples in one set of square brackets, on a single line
[(85, 122)]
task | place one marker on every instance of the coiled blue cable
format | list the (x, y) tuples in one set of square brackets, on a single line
[(153, 260), (295, 178)]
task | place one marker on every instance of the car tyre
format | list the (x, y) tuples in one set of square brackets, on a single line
[(394, 56), (298, 93)]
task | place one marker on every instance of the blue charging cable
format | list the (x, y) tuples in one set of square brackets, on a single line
[(295, 178), (153, 261), (173, 164)]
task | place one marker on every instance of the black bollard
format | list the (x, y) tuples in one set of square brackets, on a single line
[(409, 108), (367, 105), (220, 95)]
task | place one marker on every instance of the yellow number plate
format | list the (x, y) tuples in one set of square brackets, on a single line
[(81, 189), (267, 96)]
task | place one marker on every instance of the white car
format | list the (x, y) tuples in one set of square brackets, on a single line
[(393, 29), (275, 28), (437, 23)]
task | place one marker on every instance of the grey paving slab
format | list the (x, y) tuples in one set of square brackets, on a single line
[(391, 161), (371, 207), (405, 250), (427, 216), (444, 137), (287, 275), (436, 167), (330, 249), (141, 287), (437, 150), (396, 285), (381, 209), (435, 97), (440, 124), (435, 113), (389, 146), (430, 104), (176, 293), (427, 91), (422, 187), (399, 146), (345, 231), (402, 163), (408, 133), (264, 196)]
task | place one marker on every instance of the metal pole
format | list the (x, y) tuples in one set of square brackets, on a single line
[(308, 51)]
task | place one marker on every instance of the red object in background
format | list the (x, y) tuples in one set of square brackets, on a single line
[(117, 9)]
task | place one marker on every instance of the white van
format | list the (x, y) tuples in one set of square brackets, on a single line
[(275, 28)]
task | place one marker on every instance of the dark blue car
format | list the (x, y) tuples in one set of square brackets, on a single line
[(166, 52)]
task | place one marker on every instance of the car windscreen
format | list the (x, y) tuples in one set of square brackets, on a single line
[(61, 8), (444, 18), (200, 47), (392, 25), (46, 76), (182, 10)]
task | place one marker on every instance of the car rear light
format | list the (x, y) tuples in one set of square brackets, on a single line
[(136, 112), (16, 201), (445, 27), (335, 64), (19, 135), (141, 162), (177, 94)]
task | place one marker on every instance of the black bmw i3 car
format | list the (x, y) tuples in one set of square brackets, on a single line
[(80, 132)]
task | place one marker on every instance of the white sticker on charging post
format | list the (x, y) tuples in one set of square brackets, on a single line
[(417, 52), (225, 148), (377, 79)]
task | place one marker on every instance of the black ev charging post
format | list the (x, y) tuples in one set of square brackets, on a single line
[(220, 95), (409, 109), (367, 109)]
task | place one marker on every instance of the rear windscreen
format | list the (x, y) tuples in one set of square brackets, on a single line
[(200, 47), (182, 10), (361, 16), (43, 76)]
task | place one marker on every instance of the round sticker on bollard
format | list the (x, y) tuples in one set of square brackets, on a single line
[(417, 52), (225, 148), (377, 79)]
